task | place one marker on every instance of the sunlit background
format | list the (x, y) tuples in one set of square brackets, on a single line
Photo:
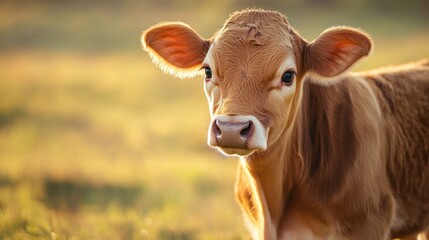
[(96, 143)]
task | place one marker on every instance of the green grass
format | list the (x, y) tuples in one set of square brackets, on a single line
[(96, 143), (165, 205)]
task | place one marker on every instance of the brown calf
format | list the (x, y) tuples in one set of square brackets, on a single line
[(324, 154)]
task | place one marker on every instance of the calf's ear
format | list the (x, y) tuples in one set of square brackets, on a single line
[(335, 50), (176, 48)]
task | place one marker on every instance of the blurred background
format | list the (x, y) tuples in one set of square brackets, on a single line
[(97, 143)]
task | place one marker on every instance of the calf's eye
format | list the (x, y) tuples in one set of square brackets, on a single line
[(287, 78), (208, 72)]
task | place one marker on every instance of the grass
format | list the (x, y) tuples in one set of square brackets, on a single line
[(170, 208), (96, 143)]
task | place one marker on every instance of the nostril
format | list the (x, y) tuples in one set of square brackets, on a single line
[(245, 132), (216, 129)]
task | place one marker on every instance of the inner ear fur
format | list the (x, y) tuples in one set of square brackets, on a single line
[(176, 48), (336, 50)]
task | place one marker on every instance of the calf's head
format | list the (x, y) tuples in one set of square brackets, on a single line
[(253, 70)]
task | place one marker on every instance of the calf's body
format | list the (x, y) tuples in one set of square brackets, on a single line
[(355, 164), (324, 154), (403, 96)]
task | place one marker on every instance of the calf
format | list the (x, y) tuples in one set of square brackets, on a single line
[(324, 154)]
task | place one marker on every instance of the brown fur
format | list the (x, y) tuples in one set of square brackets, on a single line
[(404, 96), (346, 158)]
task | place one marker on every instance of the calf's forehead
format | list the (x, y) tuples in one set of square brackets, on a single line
[(252, 44)]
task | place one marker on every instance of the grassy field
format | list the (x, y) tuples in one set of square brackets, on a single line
[(95, 153), (96, 143)]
